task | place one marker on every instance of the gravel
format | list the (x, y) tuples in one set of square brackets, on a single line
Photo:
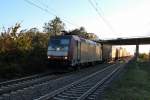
[(38, 90)]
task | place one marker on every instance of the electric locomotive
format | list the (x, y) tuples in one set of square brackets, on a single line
[(73, 50)]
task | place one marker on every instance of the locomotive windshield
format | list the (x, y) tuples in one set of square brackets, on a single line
[(58, 44)]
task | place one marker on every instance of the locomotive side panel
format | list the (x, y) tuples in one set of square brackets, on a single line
[(93, 53), (74, 52), (90, 52), (83, 52)]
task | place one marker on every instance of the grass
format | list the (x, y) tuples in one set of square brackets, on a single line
[(134, 84)]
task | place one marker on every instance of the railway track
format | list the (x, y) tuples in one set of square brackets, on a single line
[(85, 88), (19, 85), (31, 87), (45, 86), (14, 81)]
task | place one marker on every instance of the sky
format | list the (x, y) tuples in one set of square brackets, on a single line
[(132, 48), (116, 19)]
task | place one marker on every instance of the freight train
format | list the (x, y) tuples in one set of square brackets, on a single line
[(72, 50), (119, 53)]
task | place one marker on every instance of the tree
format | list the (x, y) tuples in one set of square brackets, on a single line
[(78, 31), (82, 33), (8, 39), (82, 30), (11, 32), (15, 29), (34, 30), (54, 27)]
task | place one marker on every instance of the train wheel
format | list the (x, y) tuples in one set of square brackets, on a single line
[(77, 67)]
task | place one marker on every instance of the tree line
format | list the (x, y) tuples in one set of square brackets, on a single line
[(24, 52)]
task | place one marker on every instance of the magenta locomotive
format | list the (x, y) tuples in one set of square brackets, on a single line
[(73, 50)]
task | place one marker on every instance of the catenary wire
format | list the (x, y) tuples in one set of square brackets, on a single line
[(47, 11), (100, 15)]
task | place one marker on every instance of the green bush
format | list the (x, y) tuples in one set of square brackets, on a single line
[(22, 53)]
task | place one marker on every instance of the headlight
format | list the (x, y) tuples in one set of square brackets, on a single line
[(49, 57), (66, 57)]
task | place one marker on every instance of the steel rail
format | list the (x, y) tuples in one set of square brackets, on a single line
[(14, 81), (56, 92), (97, 85)]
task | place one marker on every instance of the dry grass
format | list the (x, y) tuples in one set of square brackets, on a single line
[(133, 85)]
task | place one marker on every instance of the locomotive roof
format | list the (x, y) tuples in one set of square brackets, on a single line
[(76, 38)]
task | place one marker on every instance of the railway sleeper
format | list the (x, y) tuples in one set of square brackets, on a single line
[(5, 97), (65, 97), (56, 98), (15, 96), (71, 94), (1, 98), (84, 86), (90, 98), (80, 88), (74, 92)]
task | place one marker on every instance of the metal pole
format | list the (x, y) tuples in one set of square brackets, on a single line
[(137, 52), (149, 55)]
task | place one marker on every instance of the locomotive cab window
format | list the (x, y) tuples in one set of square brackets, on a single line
[(59, 44)]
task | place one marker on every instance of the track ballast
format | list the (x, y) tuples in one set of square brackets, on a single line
[(84, 88)]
